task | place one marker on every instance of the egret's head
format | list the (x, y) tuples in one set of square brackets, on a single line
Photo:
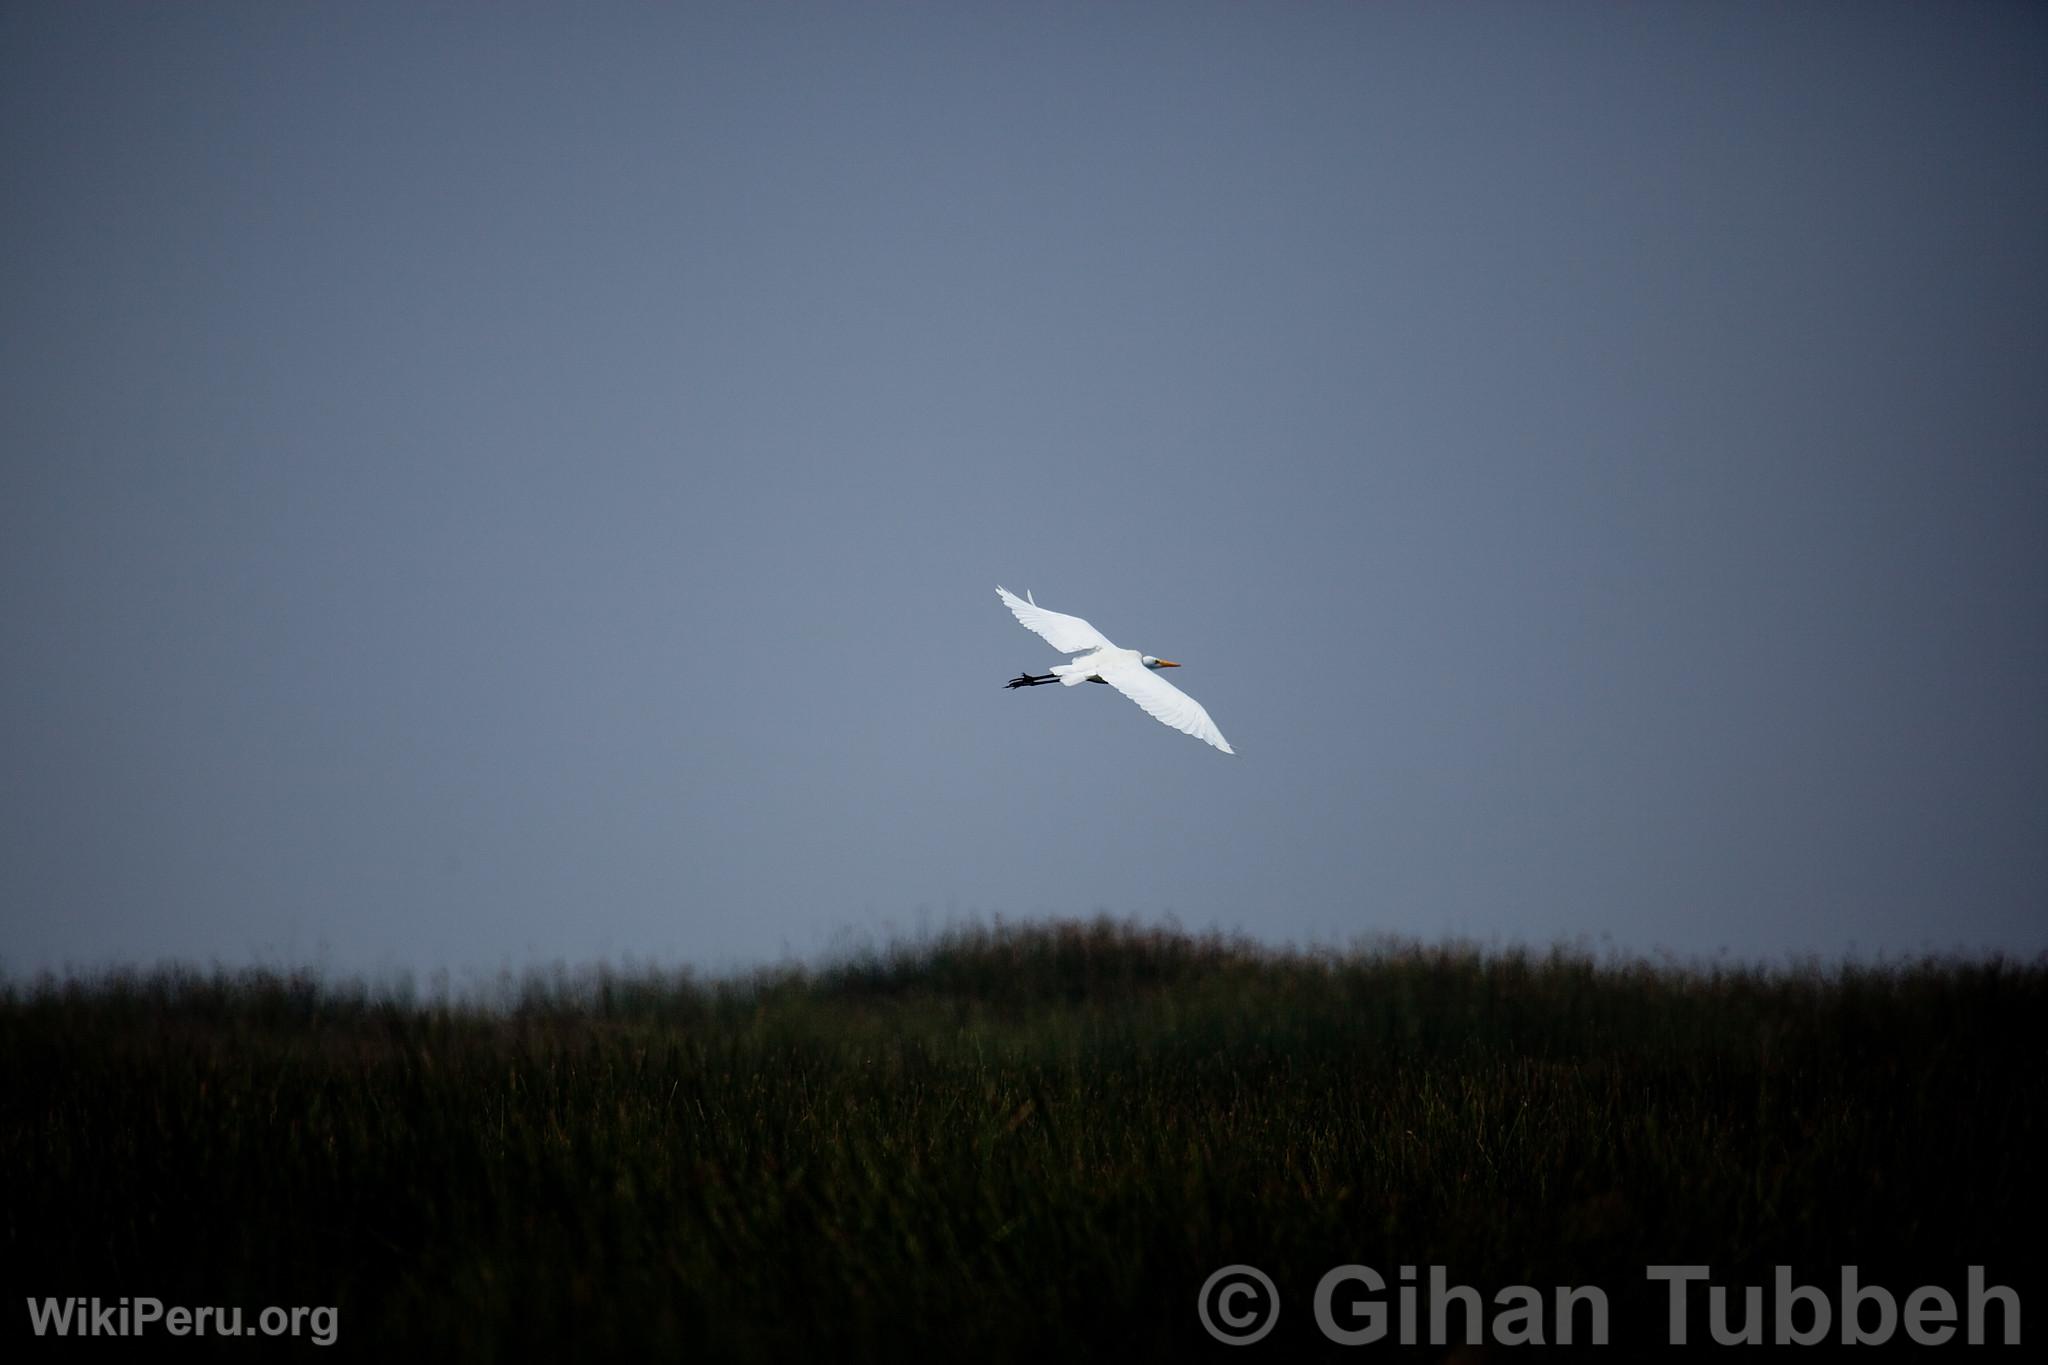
[(1151, 662)]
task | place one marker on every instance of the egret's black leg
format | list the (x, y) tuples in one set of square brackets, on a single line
[(1030, 680)]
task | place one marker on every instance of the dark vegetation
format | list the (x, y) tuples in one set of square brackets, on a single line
[(1011, 1143)]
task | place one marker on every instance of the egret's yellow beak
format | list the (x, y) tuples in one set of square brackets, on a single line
[(1168, 663)]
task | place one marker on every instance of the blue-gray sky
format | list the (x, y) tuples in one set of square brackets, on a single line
[(486, 485)]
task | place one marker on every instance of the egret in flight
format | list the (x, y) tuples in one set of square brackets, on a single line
[(1129, 672)]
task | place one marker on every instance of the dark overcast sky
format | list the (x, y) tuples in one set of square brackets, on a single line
[(486, 485)]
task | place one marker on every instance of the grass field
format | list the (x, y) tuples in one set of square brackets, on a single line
[(1026, 1143)]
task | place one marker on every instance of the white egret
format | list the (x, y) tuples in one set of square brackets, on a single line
[(1128, 671)]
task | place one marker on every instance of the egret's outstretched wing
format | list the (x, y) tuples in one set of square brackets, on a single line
[(1067, 634), (1164, 702)]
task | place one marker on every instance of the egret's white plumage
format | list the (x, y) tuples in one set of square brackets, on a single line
[(1127, 670), (1067, 634)]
